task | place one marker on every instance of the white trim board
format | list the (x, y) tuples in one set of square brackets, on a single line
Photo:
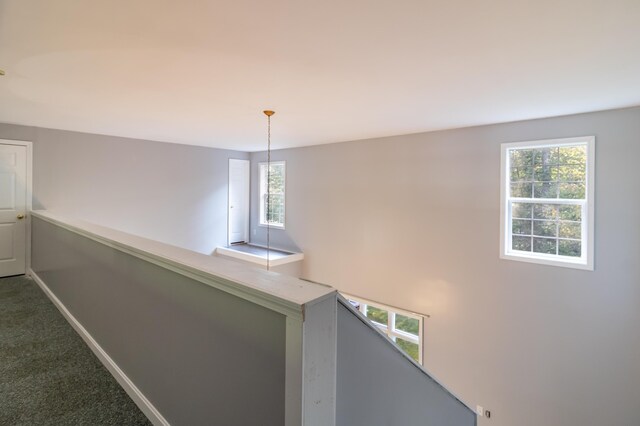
[(136, 395), (398, 310)]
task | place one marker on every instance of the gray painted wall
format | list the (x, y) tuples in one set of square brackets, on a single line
[(413, 221), (200, 355), (378, 386), (172, 193)]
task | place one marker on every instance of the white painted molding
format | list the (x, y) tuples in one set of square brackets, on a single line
[(280, 293), (320, 363), (396, 309), (136, 395), (259, 260)]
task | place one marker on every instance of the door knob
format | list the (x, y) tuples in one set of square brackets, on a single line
[(20, 216)]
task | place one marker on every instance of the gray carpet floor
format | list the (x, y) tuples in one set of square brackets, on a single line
[(48, 375)]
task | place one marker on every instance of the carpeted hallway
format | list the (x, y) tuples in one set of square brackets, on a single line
[(48, 376)]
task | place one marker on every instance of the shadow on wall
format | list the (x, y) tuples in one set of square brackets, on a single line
[(36, 204), (281, 241)]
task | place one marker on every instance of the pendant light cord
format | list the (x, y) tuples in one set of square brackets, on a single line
[(268, 190)]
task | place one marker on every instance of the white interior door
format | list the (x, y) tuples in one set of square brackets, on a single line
[(13, 206), (238, 201)]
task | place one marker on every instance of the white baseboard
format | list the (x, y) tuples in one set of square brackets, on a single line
[(141, 401)]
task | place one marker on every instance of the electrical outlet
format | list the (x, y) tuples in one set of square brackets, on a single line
[(479, 410)]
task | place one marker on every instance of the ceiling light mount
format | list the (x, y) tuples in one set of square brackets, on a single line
[(2, 73)]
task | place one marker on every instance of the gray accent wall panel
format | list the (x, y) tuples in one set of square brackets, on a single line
[(200, 355), (378, 386)]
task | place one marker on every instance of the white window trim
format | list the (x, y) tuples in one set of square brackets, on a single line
[(389, 328), (585, 262), (261, 212)]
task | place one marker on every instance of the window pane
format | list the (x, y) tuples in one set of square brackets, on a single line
[(571, 213), (545, 211), (521, 227), (521, 190), (272, 181), (546, 156), (521, 210), (569, 248), (521, 157), (378, 315), (410, 325), (545, 173), (409, 347), (544, 245), (544, 228), (546, 195), (570, 230), (572, 173), (572, 191), (573, 155), (519, 174), (276, 179), (521, 243), (275, 210), (545, 190)]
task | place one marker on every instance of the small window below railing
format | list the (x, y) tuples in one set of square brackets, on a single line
[(403, 327)]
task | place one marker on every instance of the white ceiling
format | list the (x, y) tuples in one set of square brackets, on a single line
[(201, 72)]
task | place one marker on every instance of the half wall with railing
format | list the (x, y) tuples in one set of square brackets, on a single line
[(200, 340)]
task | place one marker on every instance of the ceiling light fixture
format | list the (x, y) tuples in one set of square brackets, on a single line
[(268, 113)]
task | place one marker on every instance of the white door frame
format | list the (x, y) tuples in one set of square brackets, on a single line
[(248, 200), (29, 200)]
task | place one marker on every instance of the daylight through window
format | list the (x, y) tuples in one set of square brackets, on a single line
[(272, 205), (403, 327), (547, 211)]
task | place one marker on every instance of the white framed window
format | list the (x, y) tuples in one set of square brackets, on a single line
[(546, 212), (403, 327), (272, 204)]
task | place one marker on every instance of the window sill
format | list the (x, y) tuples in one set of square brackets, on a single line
[(279, 227), (544, 260), (279, 257)]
